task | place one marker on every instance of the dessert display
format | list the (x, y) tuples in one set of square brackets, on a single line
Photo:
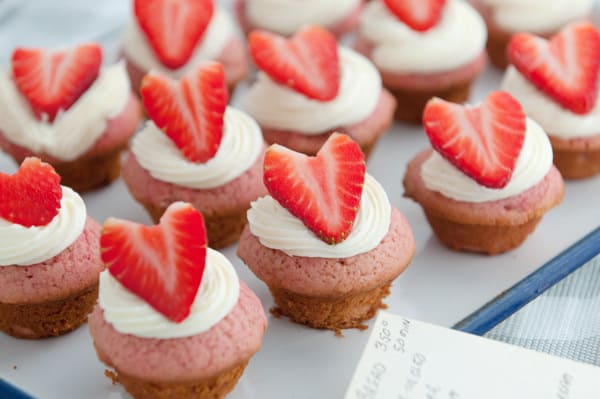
[(285, 17), (544, 18), (50, 257), (196, 149), (556, 81), (174, 37), (489, 178), (64, 108), (326, 241), (423, 49), (308, 87), (172, 320)]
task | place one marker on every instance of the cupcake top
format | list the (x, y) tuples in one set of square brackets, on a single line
[(556, 80), (162, 281), (173, 37), (323, 206), (59, 102), (483, 153), (308, 84), (422, 36), (537, 16), (193, 139), (39, 218)]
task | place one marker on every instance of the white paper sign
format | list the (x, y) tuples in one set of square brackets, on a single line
[(409, 359)]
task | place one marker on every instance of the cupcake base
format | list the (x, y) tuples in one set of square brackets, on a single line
[(577, 158)]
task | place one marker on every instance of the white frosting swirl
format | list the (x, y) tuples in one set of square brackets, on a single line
[(287, 16), (279, 107), (129, 314), (531, 167), (240, 146), (556, 120), (25, 246), (537, 16), (73, 131), (277, 228), (218, 33), (456, 40)]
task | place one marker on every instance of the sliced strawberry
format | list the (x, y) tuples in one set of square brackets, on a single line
[(173, 27), (484, 142), (53, 80), (566, 67), (307, 63), (419, 15), (30, 197), (323, 191), (163, 264), (189, 111)]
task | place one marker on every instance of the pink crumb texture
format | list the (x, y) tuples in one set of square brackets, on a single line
[(232, 340), (324, 277), (75, 268)]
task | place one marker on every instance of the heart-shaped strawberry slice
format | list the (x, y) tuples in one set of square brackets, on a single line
[(484, 142), (163, 264), (189, 111), (323, 191), (173, 27), (53, 80), (566, 67), (307, 63), (419, 15), (30, 197)]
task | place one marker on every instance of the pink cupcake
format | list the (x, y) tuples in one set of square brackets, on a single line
[(50, 257), (326, 240), (201, 152), (174, 37), (173, 320), (433, 48), (63, 107)]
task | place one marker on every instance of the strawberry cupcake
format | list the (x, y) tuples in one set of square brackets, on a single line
[(556, 81), (423, 49), (308, 87), (172, 320), (50, 255), (63, 107), (205, 31), (326, 240), (544, 18), (285, 17), (196, 149), (489, 178)]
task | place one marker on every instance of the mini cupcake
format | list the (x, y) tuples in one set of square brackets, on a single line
[(308, 87), (423, 49), (285, 17), (172, 320), (63, 107), (50, 257), (544, 18), (489, 178), (326, 240), (198, 151), (556, 81), (174, 37)]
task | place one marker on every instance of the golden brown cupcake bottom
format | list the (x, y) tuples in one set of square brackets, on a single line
[(577, 158)]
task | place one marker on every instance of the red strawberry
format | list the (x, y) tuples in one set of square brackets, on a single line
[(190, 111), (307, 63), (53, 80), (484, 142), (30, 197), (163, 264), (566, 67), (323, 191), (419, 15), (173, 27)]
